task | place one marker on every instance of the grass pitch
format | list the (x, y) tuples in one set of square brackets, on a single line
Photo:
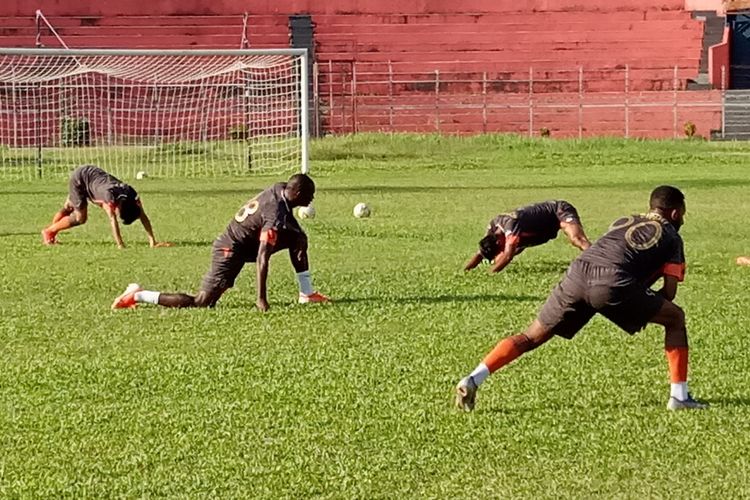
[(353, 399)]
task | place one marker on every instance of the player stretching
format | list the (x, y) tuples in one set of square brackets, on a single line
[(90, 182), (262, 227), (613, 278), (509, 234)]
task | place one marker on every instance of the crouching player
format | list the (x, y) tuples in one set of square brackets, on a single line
[(262, 227), (91, 183), (613, 278), (510, 233)]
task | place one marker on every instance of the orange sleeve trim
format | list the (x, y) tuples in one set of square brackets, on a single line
[(269, 236), (674, 270)]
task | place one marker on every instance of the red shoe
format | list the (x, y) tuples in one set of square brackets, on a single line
[(49, 238), (313, 297), (127, 299)]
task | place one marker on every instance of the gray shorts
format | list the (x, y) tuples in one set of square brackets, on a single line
[(77, 192), (227, 260), (587, 289)]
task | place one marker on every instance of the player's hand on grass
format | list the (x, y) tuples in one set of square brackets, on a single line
[(161, 244), (743, 261), (262, 305)]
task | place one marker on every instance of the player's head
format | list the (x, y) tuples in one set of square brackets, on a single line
[(300, 190), (128, 207), (491, 245), (669, 202)]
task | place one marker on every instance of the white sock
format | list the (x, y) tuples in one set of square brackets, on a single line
[(145, 296), (480, 373), (305, 283), (679, 391)]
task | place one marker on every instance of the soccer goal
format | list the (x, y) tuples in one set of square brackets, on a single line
[(168, 113)]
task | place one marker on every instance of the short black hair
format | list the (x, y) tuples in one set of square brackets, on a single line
[(488, 247), (129, 211), (666, 198), (301, 182)]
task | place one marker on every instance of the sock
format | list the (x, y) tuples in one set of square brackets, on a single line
[(145, 296), (506, 351), (480, 373), (60, 225), (678, 390), (305, 283), (677, 358)]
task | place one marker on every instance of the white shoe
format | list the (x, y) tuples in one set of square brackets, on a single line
[(675, 404), (466, 393)]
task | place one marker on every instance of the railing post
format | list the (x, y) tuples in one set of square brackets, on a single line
[(354, 97), (723, 100), (674, 104), (484, 102), (580, 102), (531, 101), (330, 96), (437, 100), (627, 101), (390, 96)]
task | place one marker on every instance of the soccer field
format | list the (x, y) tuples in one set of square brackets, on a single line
[(354, 399)]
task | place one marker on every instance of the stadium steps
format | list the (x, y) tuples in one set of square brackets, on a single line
[(737, 115)]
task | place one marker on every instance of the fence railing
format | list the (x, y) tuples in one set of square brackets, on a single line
[(630, 102)]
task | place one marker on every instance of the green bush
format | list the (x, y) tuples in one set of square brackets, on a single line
[(75, 131)]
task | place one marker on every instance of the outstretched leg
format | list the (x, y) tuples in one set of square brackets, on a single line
[(506, 351), (134, 294)]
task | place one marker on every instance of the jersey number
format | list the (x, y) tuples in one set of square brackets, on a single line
[(247, 210)]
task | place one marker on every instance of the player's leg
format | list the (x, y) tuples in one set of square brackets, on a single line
[(631, 307), (672, 318), (226, 264), (298, 256), (74, 211), (564, 314)]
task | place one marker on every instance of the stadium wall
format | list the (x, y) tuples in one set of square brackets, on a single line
[(428, 65)]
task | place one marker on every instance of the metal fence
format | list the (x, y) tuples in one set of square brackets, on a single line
[(354, 97)]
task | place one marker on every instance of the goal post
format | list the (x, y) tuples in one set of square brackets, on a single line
[(169, 113)]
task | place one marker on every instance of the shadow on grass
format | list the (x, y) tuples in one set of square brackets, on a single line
[(440, 299), (21, 233)]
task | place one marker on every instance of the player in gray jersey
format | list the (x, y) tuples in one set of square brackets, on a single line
[(260, 228), (613, 278), (511, 233), (91, 183)]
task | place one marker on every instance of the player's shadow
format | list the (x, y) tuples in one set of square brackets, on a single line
[(441, 299)]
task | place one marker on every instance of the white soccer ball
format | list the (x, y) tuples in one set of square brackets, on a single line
[(306, 212), (141, 175), (361, 210)]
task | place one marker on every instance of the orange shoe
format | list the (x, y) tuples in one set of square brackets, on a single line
[(49, 238), (127, 299), (313, 297)]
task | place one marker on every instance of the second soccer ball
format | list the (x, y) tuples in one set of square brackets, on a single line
[(361, 210), (306, 212)]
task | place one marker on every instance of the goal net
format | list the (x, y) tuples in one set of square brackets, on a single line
[(168, 113)]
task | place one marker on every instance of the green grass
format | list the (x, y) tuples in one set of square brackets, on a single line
[(353, 400)]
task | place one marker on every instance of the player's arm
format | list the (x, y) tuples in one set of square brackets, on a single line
[(507, 254), (475, 260), (146, 222), (673, 274), (267, 244), (112, 214), (574, 232)]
